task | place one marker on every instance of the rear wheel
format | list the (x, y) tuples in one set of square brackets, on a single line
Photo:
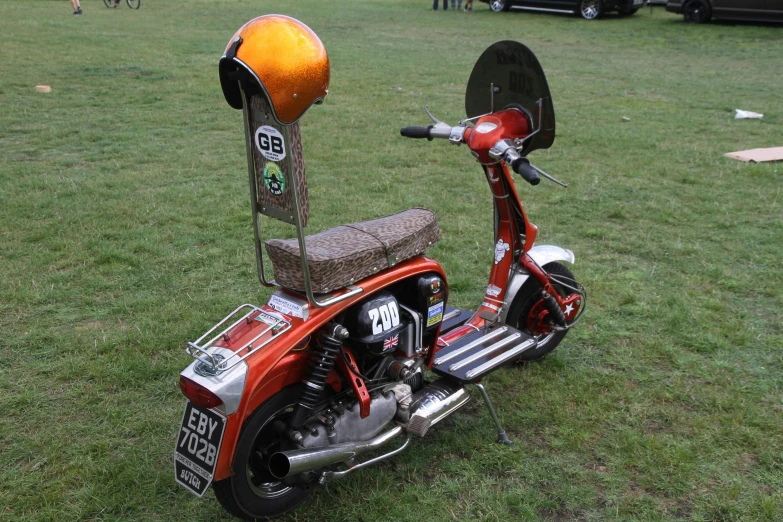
[(252, 492), (134, 4), (697, 12), (108, 3), (526, 313), (591, 9), (500, 5)]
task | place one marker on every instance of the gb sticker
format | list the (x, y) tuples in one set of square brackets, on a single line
[(270, 143), (500, 250)]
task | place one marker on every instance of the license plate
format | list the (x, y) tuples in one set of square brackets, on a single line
[(198, 447)]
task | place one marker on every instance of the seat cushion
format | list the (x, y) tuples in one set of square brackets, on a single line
[(343, 255)]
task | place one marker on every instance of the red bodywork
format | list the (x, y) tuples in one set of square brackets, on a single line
[(284, 361)]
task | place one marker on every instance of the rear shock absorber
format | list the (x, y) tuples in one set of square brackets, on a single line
[(325, 352)]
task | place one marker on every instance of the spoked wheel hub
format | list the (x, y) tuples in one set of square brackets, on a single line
[(498, 5), (591, 9)]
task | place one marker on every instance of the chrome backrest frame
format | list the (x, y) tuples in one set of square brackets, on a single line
[(297, 221)]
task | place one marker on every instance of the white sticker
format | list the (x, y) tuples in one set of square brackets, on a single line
[(384, 317), (493, 291), (285, 306), (500, 250), (274, 320), (485, 127), (434, 314), (270, 143)]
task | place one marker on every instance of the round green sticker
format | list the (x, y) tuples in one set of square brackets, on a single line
[(274, 179)]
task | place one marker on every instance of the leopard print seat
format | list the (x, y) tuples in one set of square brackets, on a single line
[(343, 255)]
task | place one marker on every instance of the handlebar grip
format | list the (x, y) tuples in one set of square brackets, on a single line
[(523, 167), (416, 131)]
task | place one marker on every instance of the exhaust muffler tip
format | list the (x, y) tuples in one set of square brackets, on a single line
[(287, 463), (279, 465)]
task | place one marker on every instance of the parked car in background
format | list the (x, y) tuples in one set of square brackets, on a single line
[(702, 11), (588, 9)]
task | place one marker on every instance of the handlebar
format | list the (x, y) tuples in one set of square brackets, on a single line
[(523, 167), (505, 150), (439, 130), (416, 131)]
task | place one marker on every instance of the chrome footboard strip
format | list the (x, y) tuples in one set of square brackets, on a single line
[(486, 351), (468, 347), (497, 361)]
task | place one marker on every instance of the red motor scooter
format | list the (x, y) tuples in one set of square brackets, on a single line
[(357, 350)]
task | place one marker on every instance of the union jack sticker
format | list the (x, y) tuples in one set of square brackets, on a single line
[(391, 342)]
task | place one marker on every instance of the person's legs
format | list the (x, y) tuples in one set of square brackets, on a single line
[(435, 5), (77, 8)]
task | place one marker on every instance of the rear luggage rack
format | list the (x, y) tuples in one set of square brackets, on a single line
[(479, 353), (217, 363)]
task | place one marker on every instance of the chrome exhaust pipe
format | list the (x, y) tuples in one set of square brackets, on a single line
[(287, 463)]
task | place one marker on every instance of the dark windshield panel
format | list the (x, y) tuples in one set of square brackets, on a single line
[(518, 80)]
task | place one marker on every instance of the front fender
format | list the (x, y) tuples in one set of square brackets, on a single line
[(542, 255)]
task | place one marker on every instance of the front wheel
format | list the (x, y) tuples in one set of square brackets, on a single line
[(500, 5), (252, 493), (527, 313), (697, 12), (134, 4), (591, 9)]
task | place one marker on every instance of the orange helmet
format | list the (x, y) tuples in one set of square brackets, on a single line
[(284, 57)]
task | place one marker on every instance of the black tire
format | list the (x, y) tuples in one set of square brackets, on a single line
[(697, 12), (134, 4), (108, 3), (252, 493), (529, 295), (591, 9), (499, 5)]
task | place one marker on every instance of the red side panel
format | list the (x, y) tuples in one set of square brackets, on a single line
[(283, 361)]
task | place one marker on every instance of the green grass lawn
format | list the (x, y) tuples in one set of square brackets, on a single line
[(125, 231)]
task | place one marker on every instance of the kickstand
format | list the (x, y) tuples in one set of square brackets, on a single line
[(501, 432)]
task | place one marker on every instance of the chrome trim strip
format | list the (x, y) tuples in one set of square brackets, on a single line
[(468, 347), (453, 313), (497, 361), (478, 355), (543, 9)]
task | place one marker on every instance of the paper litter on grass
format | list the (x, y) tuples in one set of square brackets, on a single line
[(746, 114), (757, 155)]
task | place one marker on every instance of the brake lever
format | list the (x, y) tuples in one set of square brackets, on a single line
[(550, 178), (433, 118)]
